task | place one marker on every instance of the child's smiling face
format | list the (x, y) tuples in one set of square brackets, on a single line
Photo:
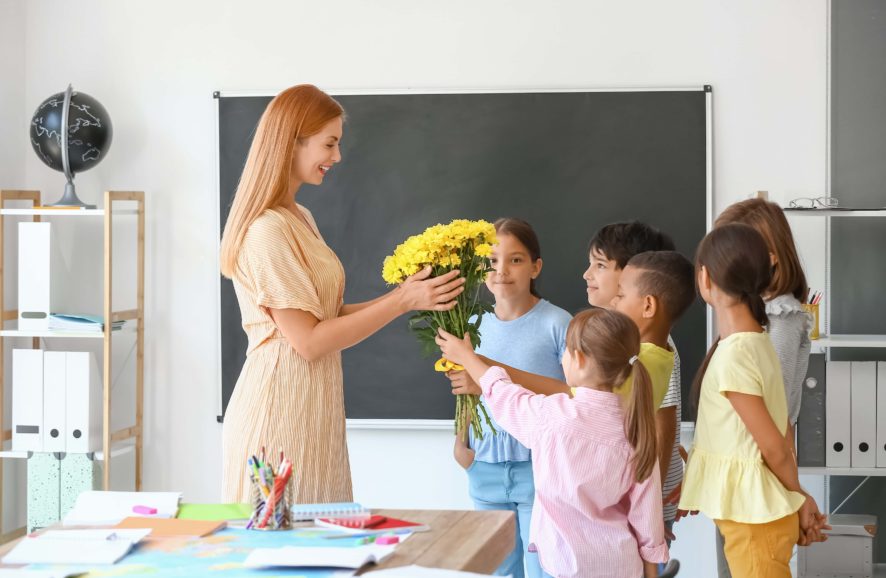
[(602, 278), (513, 268)]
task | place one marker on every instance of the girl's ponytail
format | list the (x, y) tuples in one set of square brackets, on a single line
[(695, 393), (640, 423), (755, 303), (612, 341)]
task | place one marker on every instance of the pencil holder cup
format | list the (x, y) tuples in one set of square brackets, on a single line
[(280, 515), (813, 309)]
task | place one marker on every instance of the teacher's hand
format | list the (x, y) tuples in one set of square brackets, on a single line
[(421, 292)]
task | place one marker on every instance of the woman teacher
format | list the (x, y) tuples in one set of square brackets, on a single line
[(290, 285)]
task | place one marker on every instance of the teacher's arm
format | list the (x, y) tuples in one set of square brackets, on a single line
[(313, 339), (348, 308)]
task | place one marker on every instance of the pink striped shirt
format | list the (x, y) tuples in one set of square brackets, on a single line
[(590, 518)]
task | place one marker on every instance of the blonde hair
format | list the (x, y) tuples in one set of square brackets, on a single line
[(296, 113), (612, 340)]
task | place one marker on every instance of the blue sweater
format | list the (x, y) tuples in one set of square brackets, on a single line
[(534, 342)]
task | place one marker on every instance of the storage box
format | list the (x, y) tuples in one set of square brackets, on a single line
[(848, 552)]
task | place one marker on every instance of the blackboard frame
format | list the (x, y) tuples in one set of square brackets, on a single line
[(369, 423)]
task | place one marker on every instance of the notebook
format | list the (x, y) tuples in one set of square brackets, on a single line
[(173, 527), (378, 526), (303, 512), (214, 512), (351, 522)]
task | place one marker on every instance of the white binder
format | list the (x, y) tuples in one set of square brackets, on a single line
[(864, 413), (881, 414), (54, 408), (33, 276), (27, 400), (837, 415), (84, 396)]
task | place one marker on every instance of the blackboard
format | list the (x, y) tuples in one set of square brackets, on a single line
[(568, 162)]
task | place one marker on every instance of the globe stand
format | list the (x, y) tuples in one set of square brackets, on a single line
[(69, 198)]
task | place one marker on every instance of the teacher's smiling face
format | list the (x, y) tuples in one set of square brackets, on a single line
[(315, 155)]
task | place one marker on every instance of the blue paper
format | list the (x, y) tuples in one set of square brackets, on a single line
[(222, 553)]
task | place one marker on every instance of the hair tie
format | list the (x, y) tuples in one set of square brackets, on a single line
[(632, 360)]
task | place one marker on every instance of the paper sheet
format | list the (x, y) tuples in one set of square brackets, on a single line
[(67, 551), (109, 508)]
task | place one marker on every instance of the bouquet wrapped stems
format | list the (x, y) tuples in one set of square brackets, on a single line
[(466, 246), (466, 415)]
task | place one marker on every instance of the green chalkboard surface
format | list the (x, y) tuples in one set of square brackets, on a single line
[(568, 162)]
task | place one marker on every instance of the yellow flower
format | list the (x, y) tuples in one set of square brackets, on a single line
[(483, 249), (444, 365), (442, 246)]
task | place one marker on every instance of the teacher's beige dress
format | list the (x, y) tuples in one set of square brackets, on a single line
[(282, 401)]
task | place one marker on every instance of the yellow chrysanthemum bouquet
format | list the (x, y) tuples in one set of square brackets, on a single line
[(466, 246)]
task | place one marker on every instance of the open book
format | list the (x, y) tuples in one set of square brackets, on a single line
[(314, 557), (75, 547)]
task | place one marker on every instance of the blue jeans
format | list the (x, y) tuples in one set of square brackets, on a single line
[(508, 486)]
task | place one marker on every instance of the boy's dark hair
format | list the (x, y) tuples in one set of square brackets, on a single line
[(670, 277), (621, 241)]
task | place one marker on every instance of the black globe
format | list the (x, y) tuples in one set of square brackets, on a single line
[(89, 132)]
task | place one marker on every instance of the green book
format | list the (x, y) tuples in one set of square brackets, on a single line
[(214, 512)]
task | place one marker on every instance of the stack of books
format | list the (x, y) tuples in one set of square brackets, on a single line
[(72, 322)]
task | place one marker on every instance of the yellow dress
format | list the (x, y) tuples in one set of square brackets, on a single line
[(726, 477), (281, 401)]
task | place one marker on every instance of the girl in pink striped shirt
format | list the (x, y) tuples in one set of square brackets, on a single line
[(598, 510)]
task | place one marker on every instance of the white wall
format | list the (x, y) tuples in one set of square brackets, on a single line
[(155, 64), (14, 147)]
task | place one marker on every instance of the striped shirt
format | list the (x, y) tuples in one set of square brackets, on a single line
[(673, 398), (591, 518)]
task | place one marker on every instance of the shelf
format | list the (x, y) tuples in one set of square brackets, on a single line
[(116, 451), (15, 455), (128, 328), (862, 472), (835, 213), (65, 212), (850, 341)]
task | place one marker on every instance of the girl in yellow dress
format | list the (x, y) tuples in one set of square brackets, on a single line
[(741, 472)]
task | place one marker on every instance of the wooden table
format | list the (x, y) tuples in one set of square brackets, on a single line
[(471, 541), (458, 540)]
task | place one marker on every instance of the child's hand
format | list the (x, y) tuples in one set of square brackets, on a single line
[(462, 383), (812, 522), (674, 497), (456, 350), (684, 513), (669, 535), (462, 453)]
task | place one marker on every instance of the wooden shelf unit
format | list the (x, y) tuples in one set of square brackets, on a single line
[(126, 439)]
